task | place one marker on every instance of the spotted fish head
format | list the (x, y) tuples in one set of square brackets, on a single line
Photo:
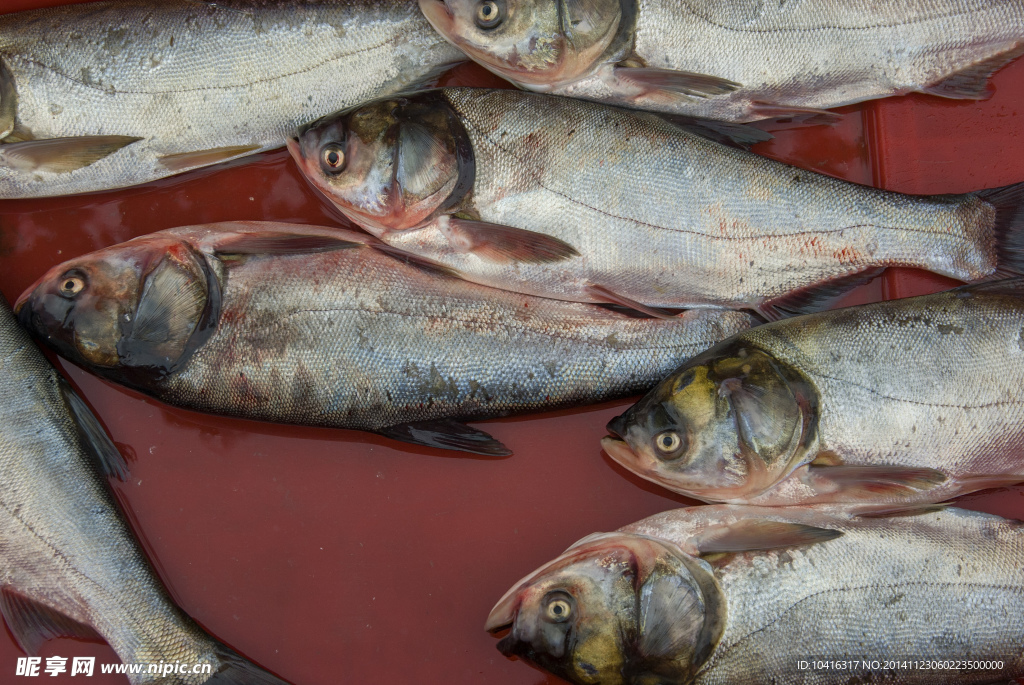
[(726, 426), (614, 608)]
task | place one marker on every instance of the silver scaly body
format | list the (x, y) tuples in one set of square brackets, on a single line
[(187, 76), (63, 543), (667, 218)]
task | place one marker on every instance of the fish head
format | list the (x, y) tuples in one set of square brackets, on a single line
[(724, 427), (538, 44), (614, 608), (389, 165), (133, 305)]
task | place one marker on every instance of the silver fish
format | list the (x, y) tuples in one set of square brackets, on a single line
[(320, 326), (111, 94), (69, 566), (776, 587), (579, 201), (737, 60), (914, 400)]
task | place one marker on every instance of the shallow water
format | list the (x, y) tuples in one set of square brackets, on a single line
[(334, 556)]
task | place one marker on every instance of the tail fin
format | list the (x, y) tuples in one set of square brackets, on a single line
[(235, 669), (1008, 202)]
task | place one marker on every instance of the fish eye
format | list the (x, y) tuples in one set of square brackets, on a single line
[(668, 443), (558, 607), (489, 14), (332, 158), (71, 285)]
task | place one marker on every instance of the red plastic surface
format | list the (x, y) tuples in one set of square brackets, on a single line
[(334, 556)]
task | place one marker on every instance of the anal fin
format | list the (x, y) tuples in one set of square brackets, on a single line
[(33, 623), (972, 83), (447, 434), (200, 158), (602, 294), (61, 155), (673, 81), (504, 244)]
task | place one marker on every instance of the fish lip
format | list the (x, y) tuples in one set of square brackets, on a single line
[(503, 615), (620, 452)]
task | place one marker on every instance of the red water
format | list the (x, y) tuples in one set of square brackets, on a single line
[(334, 556)]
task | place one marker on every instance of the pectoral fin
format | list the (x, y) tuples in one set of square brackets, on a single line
[(8, 100), (602, 294), (759, 534), (504, 244), (200, 158), (447, 435), (279, 243), (61, 155), (32, 623), (672, 81), (854, 483), (93, 436), (972, 83)]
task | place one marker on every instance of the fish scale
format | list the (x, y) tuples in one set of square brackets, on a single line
[(176, 74)]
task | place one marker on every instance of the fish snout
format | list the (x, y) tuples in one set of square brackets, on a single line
[(617, 426)]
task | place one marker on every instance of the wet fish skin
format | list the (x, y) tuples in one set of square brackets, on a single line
[(739, 60), (349, 338), (915, 400), (938, 585), (539, 194), (63, 543), (178, 76)]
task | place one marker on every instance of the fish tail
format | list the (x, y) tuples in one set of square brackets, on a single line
[(1008, 201), (235, 669)]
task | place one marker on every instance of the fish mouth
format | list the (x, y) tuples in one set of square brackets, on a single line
[(503, 615), (620, 451)]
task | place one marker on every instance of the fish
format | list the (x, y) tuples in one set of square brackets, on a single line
[(325, 327), (584, 202), (106, 95), (69, 565), (754, 595), (906, 401), (738, 60)]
